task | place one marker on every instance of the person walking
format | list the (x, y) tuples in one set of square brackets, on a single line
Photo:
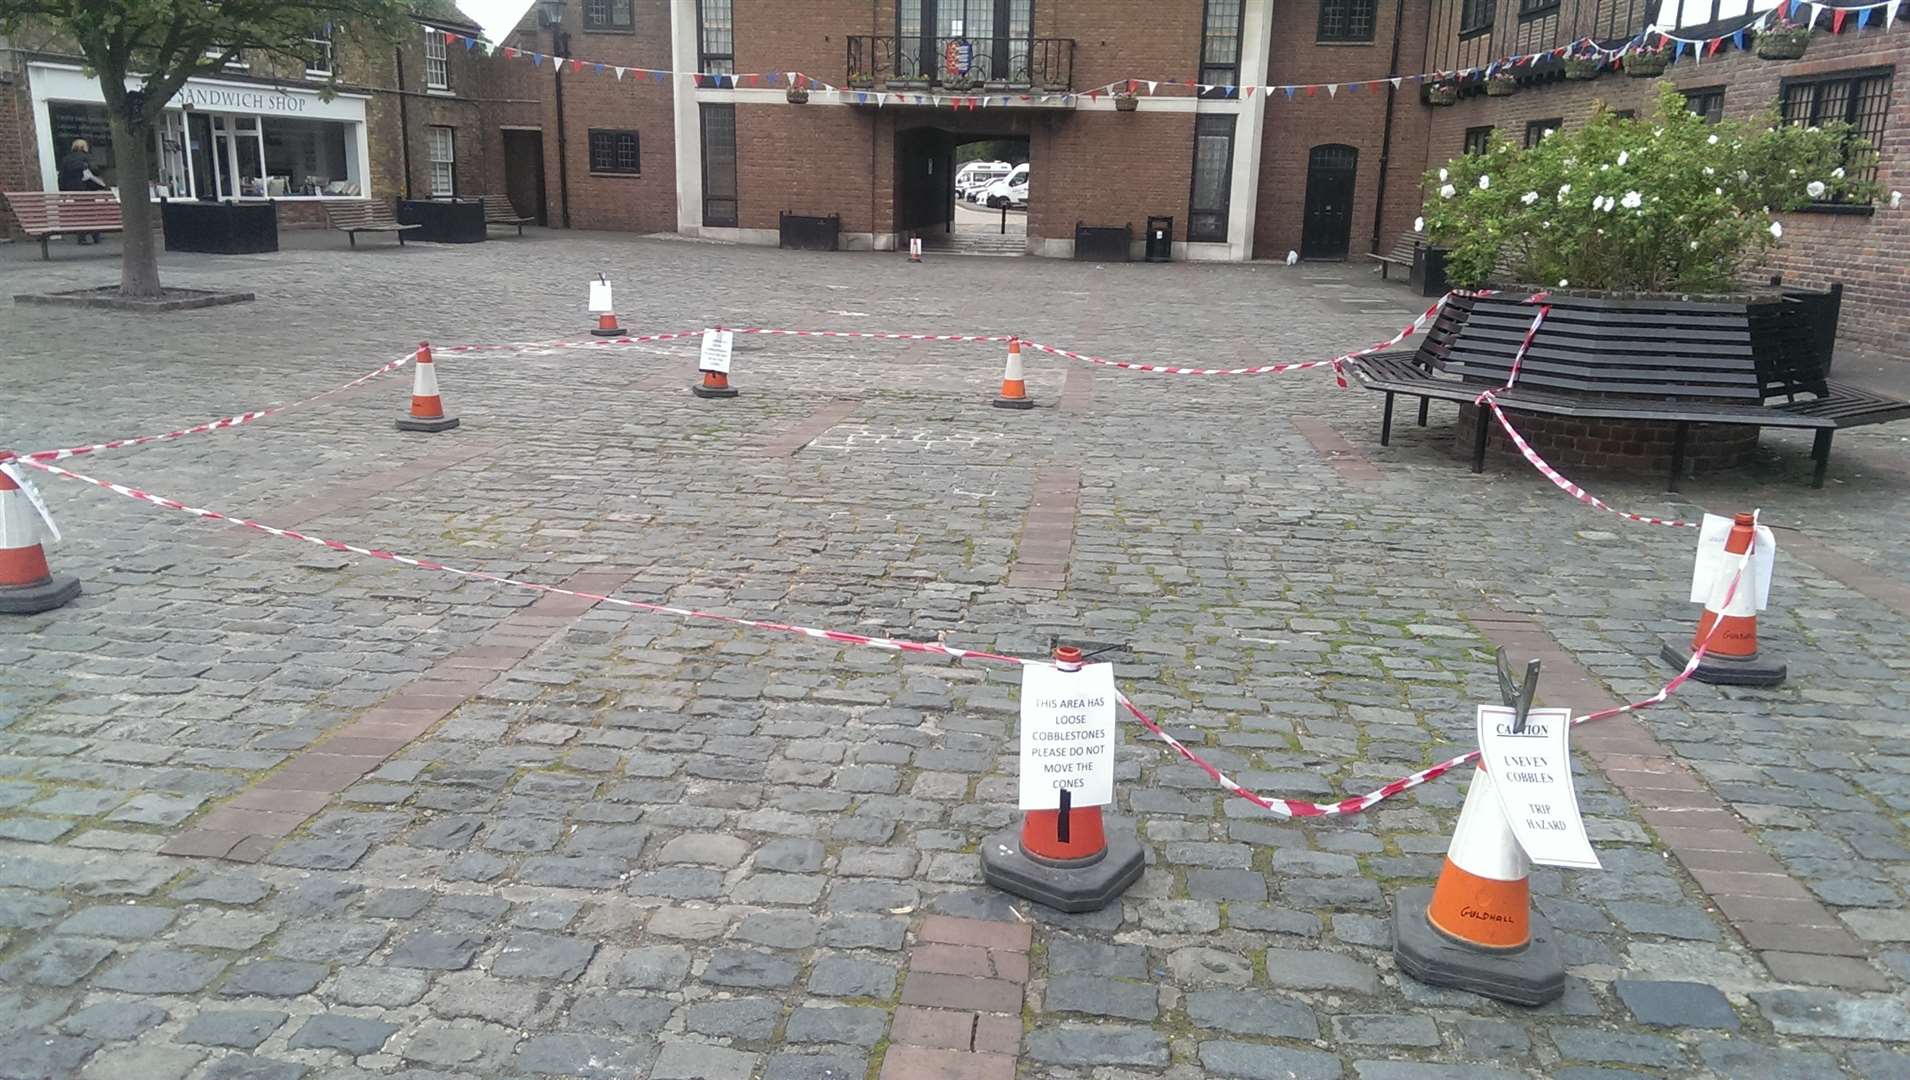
[(76, 174)]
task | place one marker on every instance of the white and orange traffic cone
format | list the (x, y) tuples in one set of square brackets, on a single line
[(715, 384), (604, 308), (607, 325), (1014, 386), (427, 405), (1476, 929), (1728, 628), (27, 584)]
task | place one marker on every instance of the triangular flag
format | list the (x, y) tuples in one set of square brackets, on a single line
[(619, 74), (1677, 49), (598, 70), (510, 53), (1228, 91), (449, 37), (1738, 40), (1712, 46), (775, 77), (659, 76), (1152, 86), (1313, 90), (469, 43), (1863, 17), (536, 59), (1816, 10), (1332, 90), (1250, 91), (1352, 86), (861, 98), (1889, 14), (1837, 20), (1289, 91), (1395, 80)]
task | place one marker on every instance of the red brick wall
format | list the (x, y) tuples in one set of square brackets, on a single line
[(1109, 169), (1870, 254), (1354, 118)]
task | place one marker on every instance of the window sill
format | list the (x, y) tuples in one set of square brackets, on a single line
[(1474, 31), (627, 30), (1344, 42), (439, 91), (617, 175), (319, 76), (1839, 209)]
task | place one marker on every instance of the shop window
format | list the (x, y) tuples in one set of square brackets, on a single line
[(615, 152), (307, 157), (1476, 16), (716, 36), (1346, 20), (611, 15), (1213, 178), (319, 57), (1220, 47), (719, 165), (437, 71), (1860, 99), (1478, 139), (444, 161), (1539, 129), (87, 122), (1707, 102)]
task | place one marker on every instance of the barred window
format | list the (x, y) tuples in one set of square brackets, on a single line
[(1536, 129), (1475, 16), (616, 152), (716, 36), (1478, 139), (1346, 20), (1707, 102), (1860, 100), (608, 15)]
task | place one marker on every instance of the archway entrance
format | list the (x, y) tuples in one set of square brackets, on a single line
[(953, 189)]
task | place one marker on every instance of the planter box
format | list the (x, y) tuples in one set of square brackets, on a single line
[(1782, 44), (807, 233), (1583, 68), (1440, 95), (1502, 86), (1126, 103), (227, 228), (1103, 243), (445, 221), (1643, 65), (796, 96)]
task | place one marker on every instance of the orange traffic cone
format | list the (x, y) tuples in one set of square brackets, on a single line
[(1064, 857), (1014, 388), (607, 326), (27, 584), (427, 407), (1476, 929), (1730, 653), (715, 384)]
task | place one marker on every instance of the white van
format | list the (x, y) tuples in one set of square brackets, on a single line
[(973, 178), (1010, 190)]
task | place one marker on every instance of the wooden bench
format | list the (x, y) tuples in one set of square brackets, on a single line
[(47, 214), (499, 211), (1762, 366), (1402, 253), (365, 215)]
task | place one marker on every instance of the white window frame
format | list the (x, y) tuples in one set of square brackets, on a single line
[(321, 40), (438, 77), (448, 163)]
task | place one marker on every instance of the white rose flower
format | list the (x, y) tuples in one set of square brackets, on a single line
[(1485, 183), (1564, 190), (1838, 172), (1694, 245), (1563, 283), (1717, 191), (1529, 198), (1623, 157), (1446, 191), (1442, 175), (1548, 133), (1896, 199), (1712, 141), (1815, 189), (1604, 168), (1633, 200), (1709, 171), (1419, 224), (1777, 231)]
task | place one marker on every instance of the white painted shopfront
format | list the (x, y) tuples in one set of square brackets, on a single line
[(219, 139)]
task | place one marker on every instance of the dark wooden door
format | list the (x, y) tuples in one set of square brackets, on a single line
[(524, 173), (1328, 225)]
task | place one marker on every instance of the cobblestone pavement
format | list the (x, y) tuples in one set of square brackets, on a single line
[(478, 833)]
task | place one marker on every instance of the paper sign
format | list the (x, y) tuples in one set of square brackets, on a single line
[(1532, 774), (33, 496), (716, 350), (600, 297), (1713, 559), (1067, 736)]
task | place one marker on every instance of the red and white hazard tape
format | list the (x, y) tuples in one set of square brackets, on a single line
[(1545, 469), (213, 425), (588, 343), (869, 334), (1339, 372), (1283, 807)]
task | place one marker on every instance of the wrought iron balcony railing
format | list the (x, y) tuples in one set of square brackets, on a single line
[(961, 63)]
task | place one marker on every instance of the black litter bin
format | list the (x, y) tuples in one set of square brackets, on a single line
[(1160, 239)]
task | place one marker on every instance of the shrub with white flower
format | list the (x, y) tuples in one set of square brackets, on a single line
[(1689, 225), (1777, 230), (1896, 199)]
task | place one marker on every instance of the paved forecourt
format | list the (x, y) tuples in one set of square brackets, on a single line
[(421, 824)]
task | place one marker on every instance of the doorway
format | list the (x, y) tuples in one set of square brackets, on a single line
[(524, 173), (1328, 225)]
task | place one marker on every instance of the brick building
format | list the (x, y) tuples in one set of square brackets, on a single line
[(352, 119)]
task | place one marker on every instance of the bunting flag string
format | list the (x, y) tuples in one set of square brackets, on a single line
[(1651, 40)]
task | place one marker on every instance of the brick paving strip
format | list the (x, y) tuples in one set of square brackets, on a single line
[(1047, 536), (1077, 389), (246, 828), (810, 428), (1854, 575), (1797, 937), (960, 1016), (347, 493), (1342, 455)]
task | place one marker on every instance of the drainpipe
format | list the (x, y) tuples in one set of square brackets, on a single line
[(404, 118), (560, 45), (1386, 135)]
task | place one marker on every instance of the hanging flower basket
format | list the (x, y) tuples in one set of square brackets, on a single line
[(1501, 86), (1642, 64), (1125, 102), (1783, 42), (1584, 68), (1440, 95), (797, 95), (861, 80)]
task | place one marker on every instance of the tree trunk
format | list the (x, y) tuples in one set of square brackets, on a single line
[(139, 257)]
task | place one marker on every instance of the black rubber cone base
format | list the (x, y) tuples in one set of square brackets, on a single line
[(412, 423), (1533, 975), (1014, 403), (1089, 887), (615, 331), (56, 591), (1727, 670), (713, 391)]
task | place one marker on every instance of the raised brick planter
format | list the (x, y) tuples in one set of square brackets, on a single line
[(1618, 445)]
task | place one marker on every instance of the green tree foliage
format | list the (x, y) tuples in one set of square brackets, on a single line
[(1660, 203), (155, 46)]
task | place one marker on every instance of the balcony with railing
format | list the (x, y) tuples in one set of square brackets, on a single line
[(961, 64)]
